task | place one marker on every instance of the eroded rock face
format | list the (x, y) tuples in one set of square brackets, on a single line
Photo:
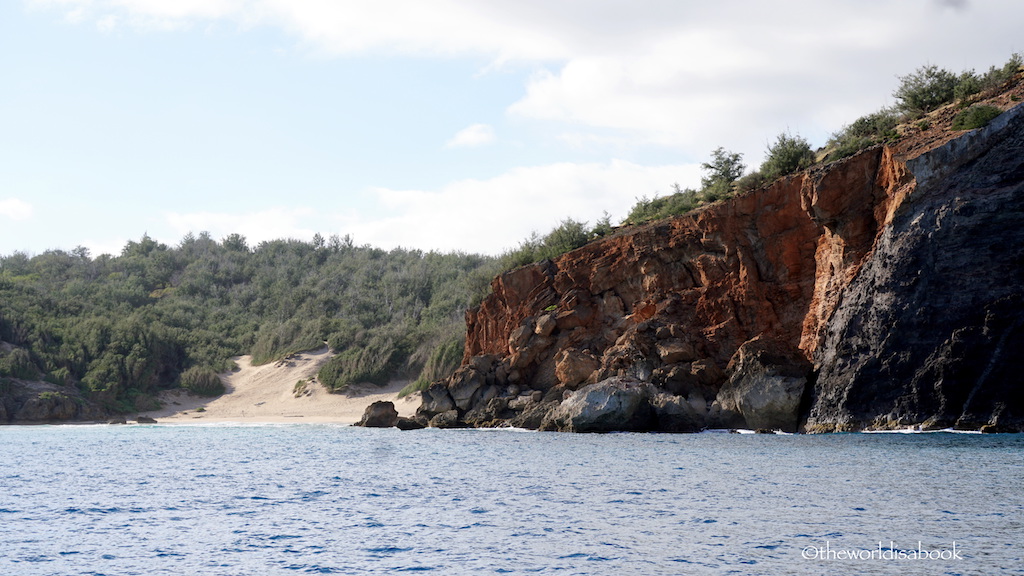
[(878, 290)]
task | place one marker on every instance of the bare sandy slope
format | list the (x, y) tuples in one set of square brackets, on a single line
[(267, 394)]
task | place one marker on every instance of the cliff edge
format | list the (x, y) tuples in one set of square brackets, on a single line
[(881, 291)]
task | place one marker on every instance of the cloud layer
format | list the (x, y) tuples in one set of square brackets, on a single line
[(658, 71), (15, 209)]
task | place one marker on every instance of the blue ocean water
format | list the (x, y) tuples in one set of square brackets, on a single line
[(308, 499)]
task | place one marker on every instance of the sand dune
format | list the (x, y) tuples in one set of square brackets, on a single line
[(267, 393)]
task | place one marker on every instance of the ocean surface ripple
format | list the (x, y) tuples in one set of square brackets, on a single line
[(321, 499)]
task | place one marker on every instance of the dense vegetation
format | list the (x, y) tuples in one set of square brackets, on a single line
[(121, 328)]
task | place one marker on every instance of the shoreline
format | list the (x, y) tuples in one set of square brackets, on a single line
[(281, 392)]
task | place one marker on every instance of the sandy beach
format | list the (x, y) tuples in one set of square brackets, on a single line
[(267, 394)]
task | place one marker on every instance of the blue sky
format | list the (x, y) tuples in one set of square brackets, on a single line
[(448, 125)]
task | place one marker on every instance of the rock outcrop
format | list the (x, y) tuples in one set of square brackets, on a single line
[(35, 402), (614, 404), (881, 290), (380, 414)]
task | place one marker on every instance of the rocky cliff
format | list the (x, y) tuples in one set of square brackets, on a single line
[(879, 291)]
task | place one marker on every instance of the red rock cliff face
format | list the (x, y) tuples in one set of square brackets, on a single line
[(723, 311), (767, 264)]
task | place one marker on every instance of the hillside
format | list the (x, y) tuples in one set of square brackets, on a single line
[(106, 335)]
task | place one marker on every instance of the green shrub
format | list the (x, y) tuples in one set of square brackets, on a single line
[(864, 132), (443, 360), (751, 181), (967, 85), (926, 89), (679, 202), (567, 236), (996, 77), (202, 381), (59, 376), (975, 117), (49, 396), (380, 359), (275, 341), (18, 364), (787, 155), (418, 385)]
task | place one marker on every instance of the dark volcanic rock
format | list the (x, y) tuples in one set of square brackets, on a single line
[(449, 419), (380, 414), (932, 329), (145, 420), (404, 423), (435, 400), (676, 414)]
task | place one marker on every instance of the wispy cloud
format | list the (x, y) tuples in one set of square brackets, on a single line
[(472, 136), (259, 226), (15, 209), (493, 215)]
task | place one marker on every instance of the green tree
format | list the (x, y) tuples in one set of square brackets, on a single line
[(724, 168), (787, 155)]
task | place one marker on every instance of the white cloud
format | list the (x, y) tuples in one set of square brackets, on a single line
[(112, 247), (472, 136), (270, 224), (490, 216), (481, 216), (687, 75), (15, 209), (107, 23)]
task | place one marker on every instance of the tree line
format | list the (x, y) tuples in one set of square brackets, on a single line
[(121, 328)]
